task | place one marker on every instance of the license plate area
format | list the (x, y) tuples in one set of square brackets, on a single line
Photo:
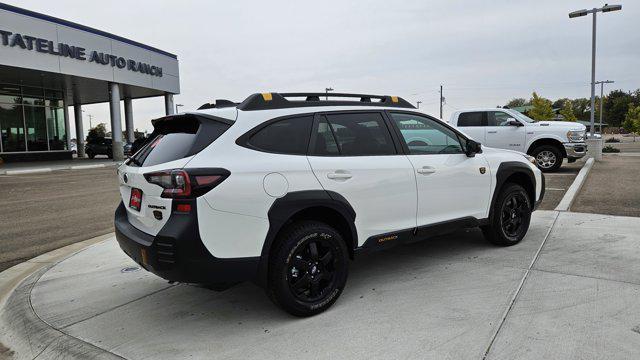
[(135, 201)]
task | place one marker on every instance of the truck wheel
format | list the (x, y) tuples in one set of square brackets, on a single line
[(308, 268), (91, 155), (511, 215), (548, 157)]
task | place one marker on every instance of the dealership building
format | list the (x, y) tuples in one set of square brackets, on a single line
[(48, 65)]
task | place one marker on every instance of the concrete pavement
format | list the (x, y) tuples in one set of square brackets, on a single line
[(568, 291)]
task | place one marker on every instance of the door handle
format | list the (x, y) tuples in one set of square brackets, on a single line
[(339, 175), (426, 170), (492, 132)]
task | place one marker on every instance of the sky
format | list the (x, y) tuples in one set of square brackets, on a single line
[(483, 53)]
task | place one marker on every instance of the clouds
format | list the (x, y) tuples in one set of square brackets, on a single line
[(484, 52)]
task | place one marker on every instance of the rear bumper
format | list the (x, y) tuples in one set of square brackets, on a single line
[(177, 252), (575, 150)]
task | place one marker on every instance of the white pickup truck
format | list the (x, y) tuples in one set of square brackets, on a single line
[(547, 141)]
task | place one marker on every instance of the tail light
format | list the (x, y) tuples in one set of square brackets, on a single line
[(188, 183)]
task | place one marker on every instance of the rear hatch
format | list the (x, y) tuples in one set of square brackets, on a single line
[(174, 141)]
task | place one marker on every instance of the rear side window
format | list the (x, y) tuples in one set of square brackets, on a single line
[(177, 137), (359, 134), (470, 119), (287, 136)]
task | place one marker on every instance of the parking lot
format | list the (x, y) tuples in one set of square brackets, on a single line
[(557, 183), (569, 290)]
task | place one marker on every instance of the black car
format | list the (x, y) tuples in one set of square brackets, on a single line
[(99, 146)]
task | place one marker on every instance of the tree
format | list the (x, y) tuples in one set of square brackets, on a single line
[(516, 102), (567, 111), (632, 120), (542, 109), (559, 104), (616, 105), (96, 132), (581, 108)]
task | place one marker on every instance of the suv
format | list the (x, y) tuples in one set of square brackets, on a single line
[(284, 189), (547, 141), (98, 146)]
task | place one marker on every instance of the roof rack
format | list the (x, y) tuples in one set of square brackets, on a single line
[(270, 101), (220, 103)]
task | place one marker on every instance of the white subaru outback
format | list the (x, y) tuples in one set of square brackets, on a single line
[(285, 189)]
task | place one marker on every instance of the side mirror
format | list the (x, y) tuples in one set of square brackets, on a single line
[(513, 122), (473, 148)]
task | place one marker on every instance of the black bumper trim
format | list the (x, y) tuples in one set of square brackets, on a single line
[(542, 190), (177, 252)]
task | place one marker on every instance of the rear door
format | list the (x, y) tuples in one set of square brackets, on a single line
[(500, 134), (450, 184), (473, 124), (172, 144), (353, 154)]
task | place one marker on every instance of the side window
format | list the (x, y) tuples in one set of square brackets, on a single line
[(288, 136), (359, 134), (470, 118), (498, 118), (325, 143), (427, 136)]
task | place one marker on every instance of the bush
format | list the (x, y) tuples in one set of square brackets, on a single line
[(612, 140), (610, 149)]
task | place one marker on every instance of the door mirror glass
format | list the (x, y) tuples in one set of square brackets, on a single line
[(473, 148)]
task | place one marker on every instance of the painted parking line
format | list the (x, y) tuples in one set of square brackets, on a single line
[(563, 174), (555, 189)]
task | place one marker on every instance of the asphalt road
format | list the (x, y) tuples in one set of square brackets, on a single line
[(557, 183), (42, 212)]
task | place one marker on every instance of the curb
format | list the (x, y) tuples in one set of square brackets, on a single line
[(13, 276), (570, 196), (48, 169), (22, 333)]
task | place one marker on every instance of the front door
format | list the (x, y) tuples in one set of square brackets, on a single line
[(450, 184), (353, 155), (499, 134)]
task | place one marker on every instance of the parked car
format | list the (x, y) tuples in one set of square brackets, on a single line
[(549, 142), (285, 189), (98, 146)]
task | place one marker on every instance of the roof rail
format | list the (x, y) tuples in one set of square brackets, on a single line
[(220, 103), (270, 101)]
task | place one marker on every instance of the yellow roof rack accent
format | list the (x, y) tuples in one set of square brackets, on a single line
[(394, 99), (267, 96)]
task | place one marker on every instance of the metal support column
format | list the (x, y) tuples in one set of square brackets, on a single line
[(77, 113), (116, 122), (168, 104), (128, 120)]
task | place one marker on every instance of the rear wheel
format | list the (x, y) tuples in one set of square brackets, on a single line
[(308, 269), (511, 215), (91, 155), (548, 157)]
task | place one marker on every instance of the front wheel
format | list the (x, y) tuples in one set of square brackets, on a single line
[(548, 158), (308, 269), (511, 215)]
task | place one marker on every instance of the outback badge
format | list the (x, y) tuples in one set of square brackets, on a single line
[(483, 170)]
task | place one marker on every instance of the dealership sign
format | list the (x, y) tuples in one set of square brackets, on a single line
[(76, 52)]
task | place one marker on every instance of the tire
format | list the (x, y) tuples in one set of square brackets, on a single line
[(510, 219), (548, 157), (304, 281), (91, 155)]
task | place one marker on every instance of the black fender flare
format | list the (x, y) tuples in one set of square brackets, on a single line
[(284, 208), (505, 170)]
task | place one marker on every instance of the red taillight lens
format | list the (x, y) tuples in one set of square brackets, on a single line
[(176, 183), (186, 183), (183, 207)]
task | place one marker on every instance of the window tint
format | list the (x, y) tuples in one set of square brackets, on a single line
[(470, 119), (426, 136), (498, 118), (360, 134), (325, 143), (177, 137), (288, 136)]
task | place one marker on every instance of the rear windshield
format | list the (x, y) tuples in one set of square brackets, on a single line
[(177, 137)]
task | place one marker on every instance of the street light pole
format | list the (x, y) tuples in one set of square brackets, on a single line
[(326, 93), (441, 102), (418, 103), (177, 106), (602, 97), (594, 11)]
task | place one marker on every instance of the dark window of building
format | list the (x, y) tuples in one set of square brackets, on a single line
[(361, 134), (56, 128), (36, 126), (288, 136), (470, 118), (12, 127)]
